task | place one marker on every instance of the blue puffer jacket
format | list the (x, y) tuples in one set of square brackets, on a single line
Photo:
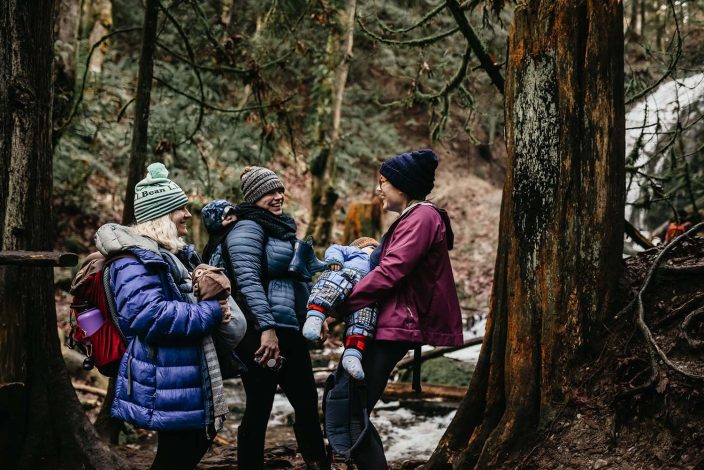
[(160, 382), (274, 299)]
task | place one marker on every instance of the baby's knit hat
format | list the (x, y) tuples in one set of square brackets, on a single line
[(364, 242), (256, 181), (156, 195), (412, 172)]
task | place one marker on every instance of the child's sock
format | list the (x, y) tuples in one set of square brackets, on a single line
[(313, 325), (352, 356), (352, 362)]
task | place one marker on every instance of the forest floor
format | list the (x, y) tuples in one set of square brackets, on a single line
[(603, 424)]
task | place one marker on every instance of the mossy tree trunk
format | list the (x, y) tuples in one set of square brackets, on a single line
[(561, 229), (331, 90), (42, 424)]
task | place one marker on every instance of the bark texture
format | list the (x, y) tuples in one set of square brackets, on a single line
[(43, 425), (561, 229)]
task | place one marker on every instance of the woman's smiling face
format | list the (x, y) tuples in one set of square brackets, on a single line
[(392, 199), (272, 201), (179, 217)]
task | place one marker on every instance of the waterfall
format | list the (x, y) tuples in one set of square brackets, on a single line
[(651, 121)]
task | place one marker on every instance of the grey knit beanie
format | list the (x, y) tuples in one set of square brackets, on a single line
[(156, 195), (256, 181)]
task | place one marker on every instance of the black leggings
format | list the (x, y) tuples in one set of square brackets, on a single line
[(297, 382), (180, 450), (379, 361)]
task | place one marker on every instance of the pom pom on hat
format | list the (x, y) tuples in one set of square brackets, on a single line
[(157, 171), (156, 195)]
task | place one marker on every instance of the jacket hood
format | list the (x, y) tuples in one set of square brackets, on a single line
[(113, 238)]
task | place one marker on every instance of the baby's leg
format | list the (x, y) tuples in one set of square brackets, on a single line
[(331, 289), (360, 327)]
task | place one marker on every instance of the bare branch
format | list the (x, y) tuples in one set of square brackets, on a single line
[(410, 42), (477, 46), (432, 14)]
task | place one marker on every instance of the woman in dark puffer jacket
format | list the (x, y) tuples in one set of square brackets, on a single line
[(169, 378), (260, 248)]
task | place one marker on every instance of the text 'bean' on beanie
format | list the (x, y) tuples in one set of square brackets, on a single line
[(256, 181), (156, 195), (412, 172)]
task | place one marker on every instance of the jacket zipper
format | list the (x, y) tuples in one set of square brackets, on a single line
[(129, 376)]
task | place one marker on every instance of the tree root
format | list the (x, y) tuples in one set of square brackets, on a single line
[(682, 309), (693, 343), (657, 355)]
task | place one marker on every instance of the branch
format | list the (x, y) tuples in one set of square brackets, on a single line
[(79, 98), (38, 258), (192, 60), (673, 61), (217, 108), (437, 352), (432, 14), (484, 58), (454, 83), (637, 237), (225, 68), (408, 43)]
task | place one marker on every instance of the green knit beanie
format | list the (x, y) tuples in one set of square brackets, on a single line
[(156, 195)]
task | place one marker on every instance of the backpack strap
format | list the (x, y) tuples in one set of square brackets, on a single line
[(109, 295), (360, 389)]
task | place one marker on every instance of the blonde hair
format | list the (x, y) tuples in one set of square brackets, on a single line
[(163, 231)]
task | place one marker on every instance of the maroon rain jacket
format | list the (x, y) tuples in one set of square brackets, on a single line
[(413, 284)]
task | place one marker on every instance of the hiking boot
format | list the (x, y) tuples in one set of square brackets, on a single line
[(304, 262)]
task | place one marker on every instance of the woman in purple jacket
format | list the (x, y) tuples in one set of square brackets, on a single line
[(411, 281)]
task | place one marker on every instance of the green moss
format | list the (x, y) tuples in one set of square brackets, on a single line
[(443, 371)]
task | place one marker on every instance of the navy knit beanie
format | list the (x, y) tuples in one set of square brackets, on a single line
[(412, 172)]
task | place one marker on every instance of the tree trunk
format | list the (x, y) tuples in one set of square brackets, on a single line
[(332, 90), (42, 423), (102, 22), (66, 28), (138, 149), (561, 229)]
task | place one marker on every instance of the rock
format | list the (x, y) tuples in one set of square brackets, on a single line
[(600, 463)]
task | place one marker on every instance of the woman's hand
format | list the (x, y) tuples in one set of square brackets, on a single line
[(226, 313), (269, 348)]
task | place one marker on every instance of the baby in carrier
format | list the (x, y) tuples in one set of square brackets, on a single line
[(347, 265)]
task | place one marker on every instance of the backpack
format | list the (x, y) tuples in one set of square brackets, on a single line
[(92, 295), (346, 420)]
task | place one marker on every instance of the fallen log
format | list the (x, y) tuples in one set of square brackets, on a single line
[(637, 237), (38, 258), (437, 352), (88, 389), (405, 390)]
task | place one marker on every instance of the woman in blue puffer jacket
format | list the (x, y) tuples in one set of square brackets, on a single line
[(169, 378), (260, 248)]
